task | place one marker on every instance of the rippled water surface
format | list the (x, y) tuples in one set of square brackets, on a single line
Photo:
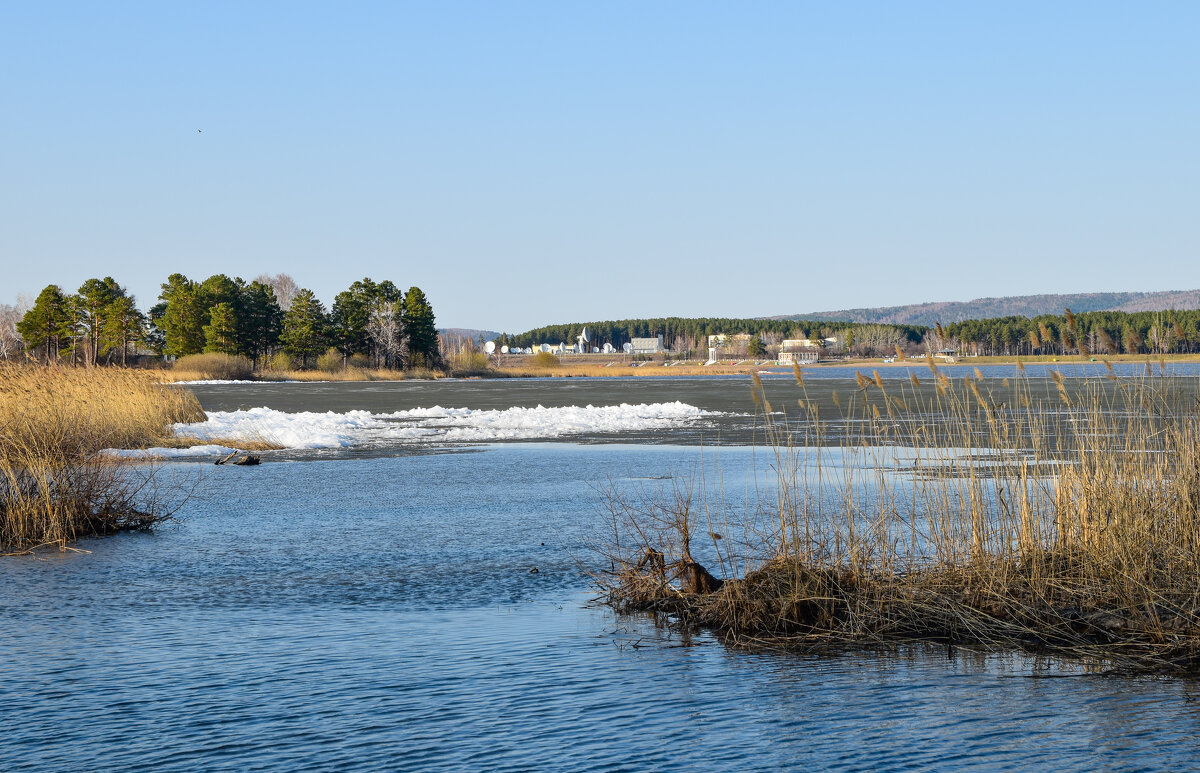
[(379, 612)]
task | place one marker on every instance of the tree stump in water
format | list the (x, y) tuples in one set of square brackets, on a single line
[(694, 578)]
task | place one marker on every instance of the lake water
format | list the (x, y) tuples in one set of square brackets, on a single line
[(370, 605)]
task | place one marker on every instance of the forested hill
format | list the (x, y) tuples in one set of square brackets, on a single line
[(1011, 306)]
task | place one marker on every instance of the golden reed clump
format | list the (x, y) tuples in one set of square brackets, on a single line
[(1058, 515), (55, 484)]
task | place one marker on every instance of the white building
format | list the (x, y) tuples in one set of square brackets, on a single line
[(648, 345), (789, 357)]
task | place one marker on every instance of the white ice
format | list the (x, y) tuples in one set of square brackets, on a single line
[(436, 424)]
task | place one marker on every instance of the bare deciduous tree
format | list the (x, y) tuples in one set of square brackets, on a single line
[(284, 286), (11, 342), (386, 332)]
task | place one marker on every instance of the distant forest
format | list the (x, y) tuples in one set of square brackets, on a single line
[(1096, 332), (688, 337)]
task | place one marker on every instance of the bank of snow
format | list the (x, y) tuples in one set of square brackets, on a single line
[(305, 430), (172, 453)]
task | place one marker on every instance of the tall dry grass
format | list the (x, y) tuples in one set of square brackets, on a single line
[(55, 484), (1060, 516), (213, 365)]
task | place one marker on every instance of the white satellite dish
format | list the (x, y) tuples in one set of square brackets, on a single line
[(504, 349), (627, 348), (562, 348), (595, 350), (544, 347), (586, 337), (490, 347), (608, 348), (527, 350)]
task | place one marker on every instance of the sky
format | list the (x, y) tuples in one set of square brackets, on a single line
[(529, 163)]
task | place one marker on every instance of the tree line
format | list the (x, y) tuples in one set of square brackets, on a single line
[(688, 336), (1087, 333), (376, 323)]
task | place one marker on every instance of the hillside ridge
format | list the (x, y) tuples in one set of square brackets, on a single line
[(1006, 306)]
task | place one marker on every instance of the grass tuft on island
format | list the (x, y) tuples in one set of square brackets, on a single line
[(56, 484), (1069, 526)]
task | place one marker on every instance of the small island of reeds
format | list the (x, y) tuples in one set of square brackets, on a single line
[(56, 483), (1051, 515)]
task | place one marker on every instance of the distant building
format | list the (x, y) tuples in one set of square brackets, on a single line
[(648, 345), (793, 356)]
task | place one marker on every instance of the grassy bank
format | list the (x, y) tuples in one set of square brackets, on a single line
[(55, 485), (203, 367), (1067, 523)]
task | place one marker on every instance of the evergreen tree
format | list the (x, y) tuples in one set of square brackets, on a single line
[(261, 322), (756, 348), (304, 327), (92, 302), (349, 316), (419, 330), (221, 333), (219, 288), (181, 317), (44, 325), (125, 325)]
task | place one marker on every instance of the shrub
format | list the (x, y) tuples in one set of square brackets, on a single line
[(544, 360), (278, 362), (468, 363), (330, 361), (216, 366)]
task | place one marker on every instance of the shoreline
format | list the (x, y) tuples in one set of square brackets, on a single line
[(600, 367)]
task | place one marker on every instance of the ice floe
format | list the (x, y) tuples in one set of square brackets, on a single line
[(171, 453), (437, 424)]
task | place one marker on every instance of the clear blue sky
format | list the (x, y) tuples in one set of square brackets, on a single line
[(529, 163)]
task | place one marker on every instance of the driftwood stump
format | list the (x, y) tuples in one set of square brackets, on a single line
[(694, 578)]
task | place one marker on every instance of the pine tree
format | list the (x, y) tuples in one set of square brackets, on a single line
[(304, 327), (419, 330), (221, 333), (44, 325), (261, 321), (95, 296), (349, 316), (181, 317), (124, 325)]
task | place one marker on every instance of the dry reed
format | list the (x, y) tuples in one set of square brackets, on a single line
[(56, 485), (983, 514)]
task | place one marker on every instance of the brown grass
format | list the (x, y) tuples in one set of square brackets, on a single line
[(55, 484), (195, 367), (1069, 523), (347, 374)]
